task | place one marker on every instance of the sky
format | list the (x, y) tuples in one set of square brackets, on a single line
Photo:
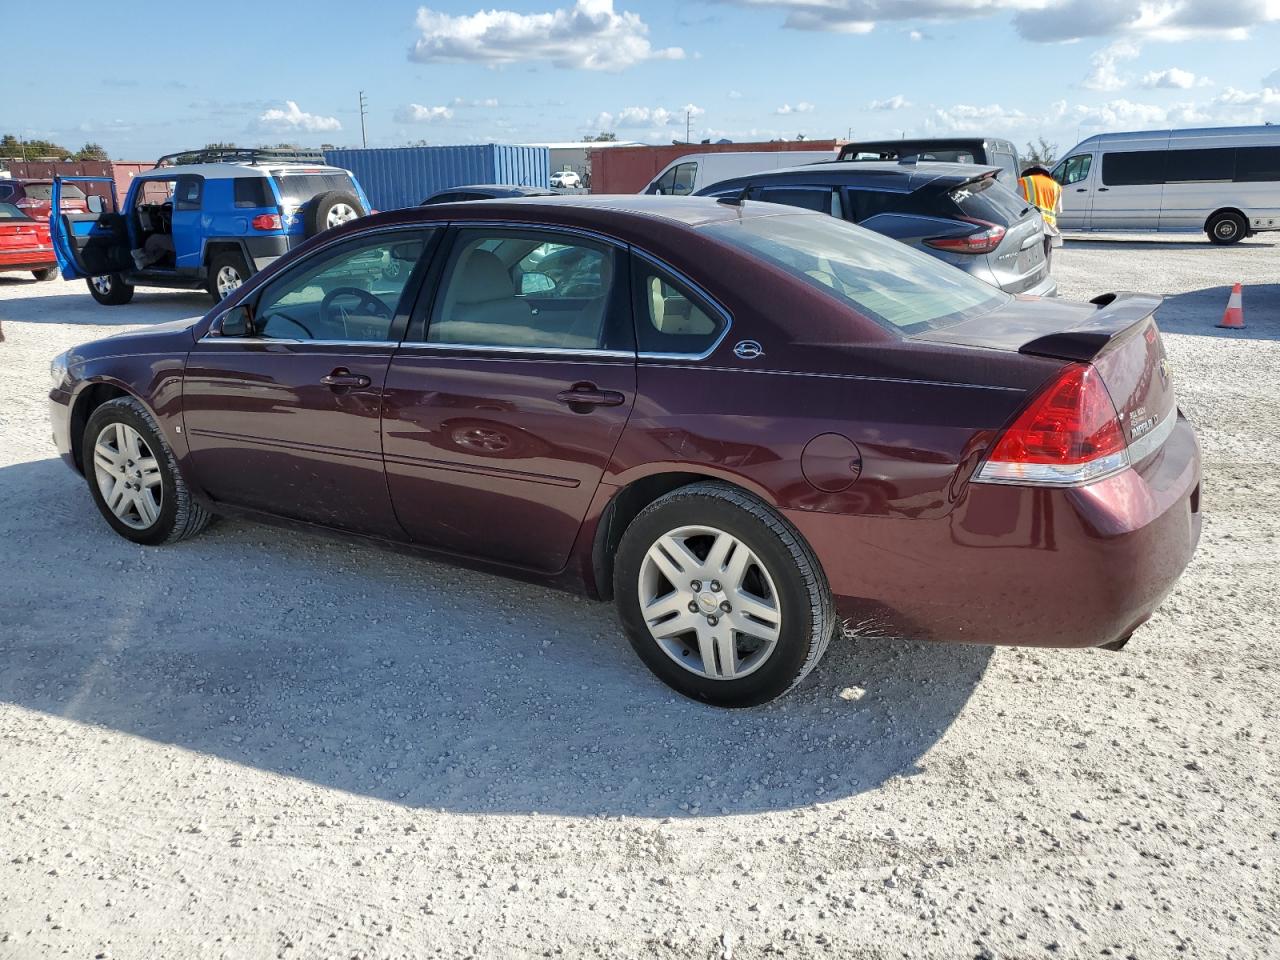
[(145, 78)]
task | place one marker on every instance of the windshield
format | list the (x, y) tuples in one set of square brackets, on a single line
[(884, 280), (9, 212), (298, 188)]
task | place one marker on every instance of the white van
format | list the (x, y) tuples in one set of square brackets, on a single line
[(690, 174), (1224, 181)]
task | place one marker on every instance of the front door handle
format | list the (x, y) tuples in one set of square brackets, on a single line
[(342, 377), (584, 396), (1082, 189)]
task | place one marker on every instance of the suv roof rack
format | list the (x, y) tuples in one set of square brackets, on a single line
[(241, 155)]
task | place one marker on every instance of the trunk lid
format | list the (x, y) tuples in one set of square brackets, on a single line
[(20, 235), (1117, 333)]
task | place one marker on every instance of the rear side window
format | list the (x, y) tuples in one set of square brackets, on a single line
[(864, 204), (670, 319), (1182, 166), (252, 192), (1007, 163), (1135, 168), (298, 188), (990, 201), (1254, 164), (44, 191), (817, 199), (6, 190)]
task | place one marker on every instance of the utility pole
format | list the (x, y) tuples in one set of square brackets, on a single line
[(364, 103), (688, 119)]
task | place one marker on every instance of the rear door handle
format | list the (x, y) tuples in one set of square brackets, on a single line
[(1103, 189), (588, 395), (342, 377)]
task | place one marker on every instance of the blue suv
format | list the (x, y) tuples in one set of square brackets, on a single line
[(205, 219)]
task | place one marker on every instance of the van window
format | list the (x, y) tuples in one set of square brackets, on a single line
[(1007, 163), (1255, 164), (1073, 169), (1182, 166), (818, 199), (1133, 168)]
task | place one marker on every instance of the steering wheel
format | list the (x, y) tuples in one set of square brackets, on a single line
[(367, 299)]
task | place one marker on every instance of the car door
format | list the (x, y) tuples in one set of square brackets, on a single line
[(189, 226), (1077, 176), (282, 398), (88, 244), (504, 404)]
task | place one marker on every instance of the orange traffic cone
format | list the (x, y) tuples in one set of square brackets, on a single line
[(1233, 318)]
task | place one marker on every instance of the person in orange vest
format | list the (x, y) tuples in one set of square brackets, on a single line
[(1038, 188)]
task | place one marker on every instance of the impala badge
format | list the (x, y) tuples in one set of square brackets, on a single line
[(748, 350)]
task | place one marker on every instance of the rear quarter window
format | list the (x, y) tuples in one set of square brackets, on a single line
[(991, 201), (252, 192)]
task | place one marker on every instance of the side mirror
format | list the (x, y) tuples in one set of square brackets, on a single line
[(236, 322), (95, 203), (536, 283)]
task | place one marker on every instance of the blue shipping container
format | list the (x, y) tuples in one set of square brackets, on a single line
[(405, 176)]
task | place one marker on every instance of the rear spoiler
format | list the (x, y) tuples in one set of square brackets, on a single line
[(1117, 314)]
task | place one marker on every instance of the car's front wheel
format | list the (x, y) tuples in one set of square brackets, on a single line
[(134, 479), (720, 596), (110, 289)]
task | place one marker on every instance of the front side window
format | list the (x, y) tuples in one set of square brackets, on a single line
[(188, 193), (883, 280), (685, 173), (1074, 169), (669, 319), (528, 290), (350, 293)]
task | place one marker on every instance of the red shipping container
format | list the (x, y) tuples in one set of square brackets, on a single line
[(121, 171), (630, 169)]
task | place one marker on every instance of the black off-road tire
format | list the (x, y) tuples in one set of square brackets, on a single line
[(228, 259), (808, 612), (117, 293), (315, 216), (1226, 228), (48, 273), (180, 516)]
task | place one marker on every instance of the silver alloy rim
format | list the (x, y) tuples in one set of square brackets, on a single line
[(128, 476), (228, 281), (710, 603), (340, 213), (102, 285)]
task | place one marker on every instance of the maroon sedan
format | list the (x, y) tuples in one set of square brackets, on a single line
[(740, 421)]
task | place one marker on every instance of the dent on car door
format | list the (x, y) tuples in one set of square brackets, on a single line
[(504, 404), (282, 398)]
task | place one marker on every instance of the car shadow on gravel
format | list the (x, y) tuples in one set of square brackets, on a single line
[(1198, 312), (147, 306), (418, 683)]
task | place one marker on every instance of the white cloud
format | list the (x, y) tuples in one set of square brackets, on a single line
[(897, 102), (964, 118), (1272, 79), (1040, 20), (655, 118), (488, 102), (801, 107), (1104, 73), (1173, 79), (735, 95), (693, 110), (587, 36), (293, 118), (915, 35), (417, 113), (1231, 97)]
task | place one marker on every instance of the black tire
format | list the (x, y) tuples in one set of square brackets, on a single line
[(110, 289), (808, 619), (227, 260), (315, 216), (48, 273), (1226, 228), (180, 516)]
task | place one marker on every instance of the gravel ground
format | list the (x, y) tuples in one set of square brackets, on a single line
[(262, 744)]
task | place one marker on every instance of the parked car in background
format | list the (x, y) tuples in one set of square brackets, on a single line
[(689, 174), (35, 197), (1222, 180), (201, 225), (984, 151), (566, 180), (25, 243), (484, 191), (740, 422), (956, 212)]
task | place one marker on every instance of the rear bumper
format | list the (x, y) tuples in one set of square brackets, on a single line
[(1024, 566), (27, 259)]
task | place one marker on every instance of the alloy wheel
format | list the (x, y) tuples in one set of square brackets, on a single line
[(128, 475), (709, 602), (102, 284), (340, 213), (228, 281)]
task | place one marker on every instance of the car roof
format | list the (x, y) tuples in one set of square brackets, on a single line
[(868, 173), (228, 171)]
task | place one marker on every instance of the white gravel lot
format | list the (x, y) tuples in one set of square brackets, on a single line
[(265, 744)]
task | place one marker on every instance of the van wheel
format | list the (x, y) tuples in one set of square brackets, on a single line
[(48, 273), (1226, 228), (227, 271), (720, 597), (110, 289)]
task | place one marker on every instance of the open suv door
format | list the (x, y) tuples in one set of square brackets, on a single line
[(88, 244)]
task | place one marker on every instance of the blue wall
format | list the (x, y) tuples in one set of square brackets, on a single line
[(405, 176)]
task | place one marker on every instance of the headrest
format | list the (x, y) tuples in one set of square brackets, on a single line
[(483, 278)]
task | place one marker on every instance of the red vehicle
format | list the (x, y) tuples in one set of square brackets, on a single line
[(25, 244), (35, 197), (740, 421)]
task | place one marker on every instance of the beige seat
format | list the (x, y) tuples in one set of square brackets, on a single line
[(694, 323)]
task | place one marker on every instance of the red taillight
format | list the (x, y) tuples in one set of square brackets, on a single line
[(266, 221), (984, 241), (1069, 434)]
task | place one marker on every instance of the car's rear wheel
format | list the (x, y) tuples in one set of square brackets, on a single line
[(330, 210), (720, 597), (48, 273), (110, 289), (134, 479), (227, 271), (1226, 228)]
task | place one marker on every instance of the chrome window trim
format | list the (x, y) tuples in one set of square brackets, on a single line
[(554, 351), (702, 294), (295, 342), (540, 228)]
